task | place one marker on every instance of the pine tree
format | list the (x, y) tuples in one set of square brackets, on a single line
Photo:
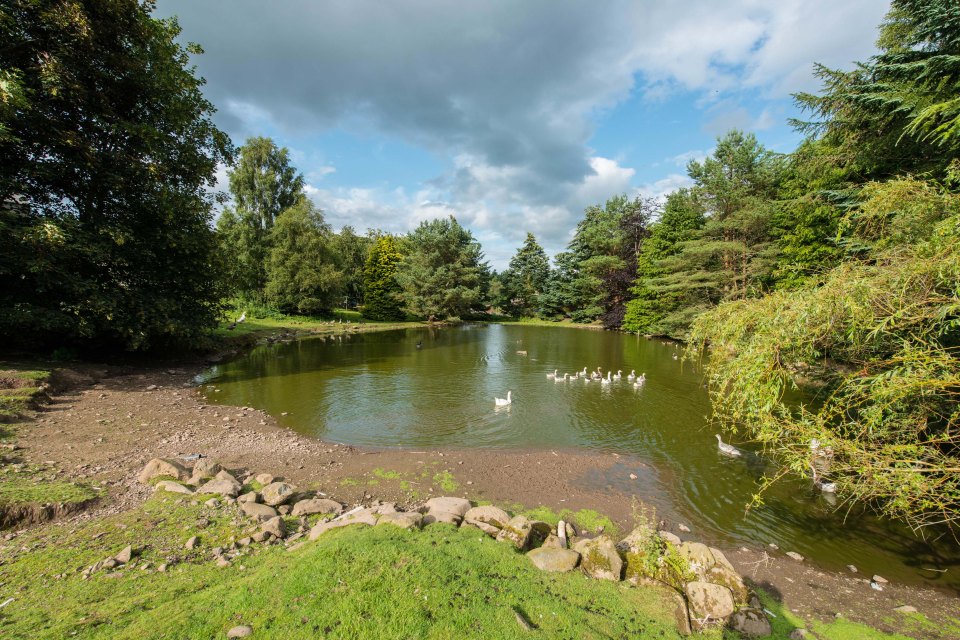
[(526, 278)]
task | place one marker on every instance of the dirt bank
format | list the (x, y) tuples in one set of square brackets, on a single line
[(106, 422)]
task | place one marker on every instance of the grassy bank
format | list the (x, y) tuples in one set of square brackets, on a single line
[(269, 323)]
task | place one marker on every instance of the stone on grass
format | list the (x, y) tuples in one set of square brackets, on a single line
[(172, 487), (276, 493), (552, 542), (798, 634), (250, 496), (709, 601), (212, 502), (672, 538), (258, 511), (162, 467), (457, 506), (433, 517), (750, 622), (404, 520), (260, 536), (516, 532), (275, 527), (363, 517), (487, 514), (599, 558), (124, 556), (206, 468), (905, 608), (192, 543), (240, 631), (223, 484), (316, 505), (263, 478), (223, 563), (553, 559), (483, 526)]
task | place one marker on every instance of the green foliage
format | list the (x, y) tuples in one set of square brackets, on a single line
[(382, 299), (442, 273), (526, 278), (302, 274), (107, 151), (263, 184), (351, 255), (881, 334)]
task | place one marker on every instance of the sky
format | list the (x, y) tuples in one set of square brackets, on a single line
[(511, 115)]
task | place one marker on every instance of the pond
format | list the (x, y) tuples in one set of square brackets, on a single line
[(436, 388)]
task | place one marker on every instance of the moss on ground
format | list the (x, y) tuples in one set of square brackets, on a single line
[(353, 582), (38, 484), (583, 519), (19, 387)]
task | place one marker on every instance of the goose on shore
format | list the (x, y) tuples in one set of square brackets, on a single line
[(503, 402), (728, 449)]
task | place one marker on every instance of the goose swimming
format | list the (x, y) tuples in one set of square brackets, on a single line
[(552, 376), (728, 449), (503, 402), (632, 375), (618, 375), (605, 380)]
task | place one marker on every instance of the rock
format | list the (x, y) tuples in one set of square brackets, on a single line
[(483, 526), (223, 563), (223, 484), (641, 551), (487, 514), (554, 559), (750, 622), (709, 601), (386, 507), (124, 556), (245, 542), (879, 579), (539, 531), (172, 487), (364, 517), (263, 479), (798, 634), (698, 555), (276, 493), (683, 528), (160, 467), (258, 511), (206, 468), (240, 631), (852, 568), (250, 496), (552, 542), (212, 502), (192, 543), (275, 527), (796, 556), (445, 509), (599, 558), (670, 537), (404, 520), (905, 608), (517, 532), (260, 536), (316, 505), (726, 576)]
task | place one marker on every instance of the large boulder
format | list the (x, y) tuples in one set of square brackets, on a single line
[(402, 519), (710, 565), (163, 468), (517, 532), (258, 511), (750, 622), (275, 527), (446, 509), (487, 514), (316, 505), (554, 560), (708, 601), (172, 487), (276, 493), (641, 550), (204, 468), (599, 558), (223, 484), (363, 517)]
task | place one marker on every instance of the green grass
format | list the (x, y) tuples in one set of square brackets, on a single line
[(540, 322), (582, 519), (37, 484), (19, 386), (354, 582), (446, 481), (270, 322)]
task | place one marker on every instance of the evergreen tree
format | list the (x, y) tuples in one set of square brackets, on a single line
[(107, 155), (351, 251), (383, 300), (443, 274), (526, 278), (302, 270), (263, 184)]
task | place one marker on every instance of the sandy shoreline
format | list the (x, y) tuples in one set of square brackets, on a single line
[(112, 420)]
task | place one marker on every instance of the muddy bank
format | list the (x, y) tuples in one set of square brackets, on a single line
[(114, 419)]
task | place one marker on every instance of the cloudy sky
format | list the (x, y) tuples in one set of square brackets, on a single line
[(511, 115)]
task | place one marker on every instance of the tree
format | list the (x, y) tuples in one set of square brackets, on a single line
[(107, 155), (263, 184), (383, 299), (526, 278), (351, 251), (443, 274), (302, 270)]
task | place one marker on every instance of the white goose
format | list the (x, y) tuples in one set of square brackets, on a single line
[(605, 380), (618, 375), (632, 375), (820, 483), (503, 402), (728, 449), (584, 372), (552, 376)]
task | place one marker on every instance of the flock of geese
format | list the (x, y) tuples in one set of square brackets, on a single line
[(820, 455), (597, 375)]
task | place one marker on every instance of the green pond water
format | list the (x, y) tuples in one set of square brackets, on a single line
[(382, 390)]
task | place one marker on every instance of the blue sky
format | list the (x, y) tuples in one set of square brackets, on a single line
[(512, 116)]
